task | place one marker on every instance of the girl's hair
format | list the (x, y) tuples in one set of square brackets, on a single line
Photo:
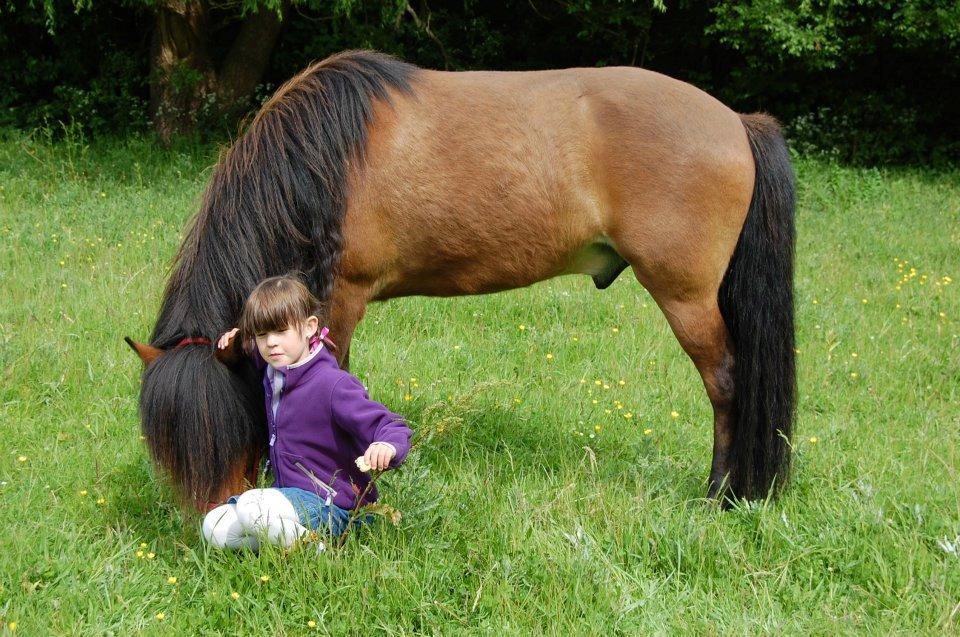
[(276, 304)]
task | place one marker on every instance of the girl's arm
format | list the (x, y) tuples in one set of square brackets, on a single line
[(369, 421)]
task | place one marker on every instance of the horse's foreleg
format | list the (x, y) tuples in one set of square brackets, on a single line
[(347, 305), (699, 327)]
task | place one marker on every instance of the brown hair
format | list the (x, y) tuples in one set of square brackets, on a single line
[(276, 304)]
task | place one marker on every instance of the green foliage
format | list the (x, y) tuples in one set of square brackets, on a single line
[(863, 80)]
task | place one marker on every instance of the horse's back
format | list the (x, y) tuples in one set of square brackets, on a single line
[(535, 166)]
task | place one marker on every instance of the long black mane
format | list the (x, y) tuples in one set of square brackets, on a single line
[(276, 199), (275, 203)]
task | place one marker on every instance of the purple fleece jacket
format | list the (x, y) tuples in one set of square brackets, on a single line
[(324, 421)]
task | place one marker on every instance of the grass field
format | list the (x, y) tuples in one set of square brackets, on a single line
[(561, 491)]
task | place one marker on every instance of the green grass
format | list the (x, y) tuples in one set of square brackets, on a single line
[(520, 517)]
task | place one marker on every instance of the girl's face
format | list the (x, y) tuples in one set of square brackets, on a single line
[(288, 347)]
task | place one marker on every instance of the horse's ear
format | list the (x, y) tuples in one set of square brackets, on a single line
[(147, 353)]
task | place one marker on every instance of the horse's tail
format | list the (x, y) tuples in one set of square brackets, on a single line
[(756, 300)]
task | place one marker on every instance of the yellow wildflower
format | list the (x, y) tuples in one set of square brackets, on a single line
[(160, 616), (83, 492), (521, 327), (674, 415), (549, 357), (647, 432), (264, 578), (814, 440), (235, 595), (150, 556), (311, 624), (21, 458), (140, 554), (171, 580)]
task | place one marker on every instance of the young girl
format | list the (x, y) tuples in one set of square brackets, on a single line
[(320, 421)]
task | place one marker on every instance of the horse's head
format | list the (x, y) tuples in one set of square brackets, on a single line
[(202, 416)]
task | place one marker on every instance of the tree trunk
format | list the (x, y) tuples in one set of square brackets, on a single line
[(182, 73), (185, 86), (246, 62)]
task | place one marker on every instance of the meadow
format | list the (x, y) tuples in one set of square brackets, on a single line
[(563, 437)]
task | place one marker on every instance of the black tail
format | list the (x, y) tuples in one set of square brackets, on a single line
[(756, 300)]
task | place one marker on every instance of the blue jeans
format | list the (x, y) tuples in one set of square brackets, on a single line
[(315, 513)]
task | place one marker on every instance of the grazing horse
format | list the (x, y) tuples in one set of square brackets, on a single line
[(379, 179)]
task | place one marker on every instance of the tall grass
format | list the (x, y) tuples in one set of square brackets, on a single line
[(561, 488)]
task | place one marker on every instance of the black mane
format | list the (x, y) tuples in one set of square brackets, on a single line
[(275, 203), (276, 199)]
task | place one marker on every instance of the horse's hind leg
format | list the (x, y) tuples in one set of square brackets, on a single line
[(702, 333)]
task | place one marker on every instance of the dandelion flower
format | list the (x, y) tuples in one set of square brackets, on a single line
[(143, 545), (628, 415), (864, 301), (814, 440), (674, 415), (21, 458), (853, 374), (598, 382), (549, 357), (139, 554), (407, 397), (150, 556), (621, 382), (615, 329), (235, 595), (12, 627), (160, 616), (264, 578), (596, 428), (101, 501), (311, 624), (521, 327), (83, 492), (647, 432)]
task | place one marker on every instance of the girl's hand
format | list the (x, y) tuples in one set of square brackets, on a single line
[(225, 339), (379, 455)]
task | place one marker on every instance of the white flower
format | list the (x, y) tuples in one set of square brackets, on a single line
[(362, 464), (950, 547)]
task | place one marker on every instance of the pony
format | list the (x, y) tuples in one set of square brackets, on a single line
[(378, 179)]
